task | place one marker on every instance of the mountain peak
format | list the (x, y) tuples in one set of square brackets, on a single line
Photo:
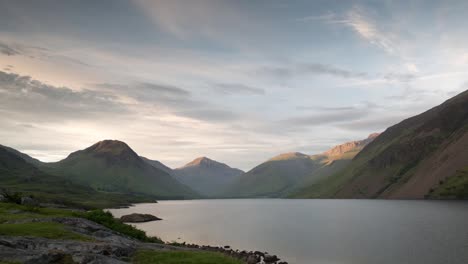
[(350, 146), (202, 161), (108, 146), (290, 155), (111, 150)]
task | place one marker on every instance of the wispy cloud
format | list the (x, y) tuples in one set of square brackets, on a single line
[(8, 49), (237, 88), (33, 100), (309, 69), (358, 20), (365, 27)]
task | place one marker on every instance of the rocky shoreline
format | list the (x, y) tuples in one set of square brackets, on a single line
[(249, 257), (104, 246)]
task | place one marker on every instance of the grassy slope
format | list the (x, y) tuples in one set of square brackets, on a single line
[(19, 176), (273, 178), (389, 162), (454, 187), (45, 230), (111, 172), (182, 257), (51, 230), (208, 177), (13, 212)]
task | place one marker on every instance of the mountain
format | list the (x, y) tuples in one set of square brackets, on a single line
[(158, 165), (18, 174), (422, 156), (24, 156), (206, 176), (287, 172), (111, 165)]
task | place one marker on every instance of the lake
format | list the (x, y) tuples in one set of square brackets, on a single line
[(319, 231)]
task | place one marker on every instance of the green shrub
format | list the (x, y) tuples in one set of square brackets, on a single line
[(107, 219), (11, 197)]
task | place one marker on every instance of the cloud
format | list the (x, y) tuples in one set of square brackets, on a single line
[(32, 99), (367, 29), (329, 116), (209, 114), (172, 99), (377, 122), (148, 92), (400, 77), (8, 50), (358, 20), (328, 17), (310, 69), (203, 18), (232, 88), (324, 108)]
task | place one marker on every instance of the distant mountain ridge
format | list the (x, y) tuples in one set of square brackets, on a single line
[(113, 166), (410, 160), (206, 176), (282, 174), (350, 146)]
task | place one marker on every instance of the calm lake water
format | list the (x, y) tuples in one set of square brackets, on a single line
[(319, 231)]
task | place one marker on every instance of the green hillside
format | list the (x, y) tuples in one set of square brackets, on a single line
[(17, 175), (113, 166), (206, 176), (408, 160)]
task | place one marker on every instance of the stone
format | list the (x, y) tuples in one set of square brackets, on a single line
[(270, 258), (29, 201), (139, 218)]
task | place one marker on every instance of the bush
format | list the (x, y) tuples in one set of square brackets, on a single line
[(107, 219), (11, 197)]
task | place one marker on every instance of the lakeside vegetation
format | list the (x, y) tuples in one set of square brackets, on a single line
[(28, 221), (454, 187), (185, 257)]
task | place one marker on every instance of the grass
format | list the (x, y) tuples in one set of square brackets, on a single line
[(40, 229), (454, 187), (182, 257), (106, 219), (12, 212)]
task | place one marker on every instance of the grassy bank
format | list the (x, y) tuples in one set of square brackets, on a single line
[(14, 222), (185, 257)]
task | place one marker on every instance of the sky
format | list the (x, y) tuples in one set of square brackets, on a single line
[(236, 81)]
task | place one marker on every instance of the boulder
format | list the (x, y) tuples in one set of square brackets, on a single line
[(252, 259), (270, 258), (139, 218), (29, 201), (2, 198)]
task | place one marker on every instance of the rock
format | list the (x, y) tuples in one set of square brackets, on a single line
[(29, 201), (270, 258), (139, 218), (53, 256), (252, 259), (3, 198)]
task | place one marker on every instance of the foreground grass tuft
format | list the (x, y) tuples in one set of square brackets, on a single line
[(106, 219), (41, 229), (182, 257), (454, 187), (11, 211)]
